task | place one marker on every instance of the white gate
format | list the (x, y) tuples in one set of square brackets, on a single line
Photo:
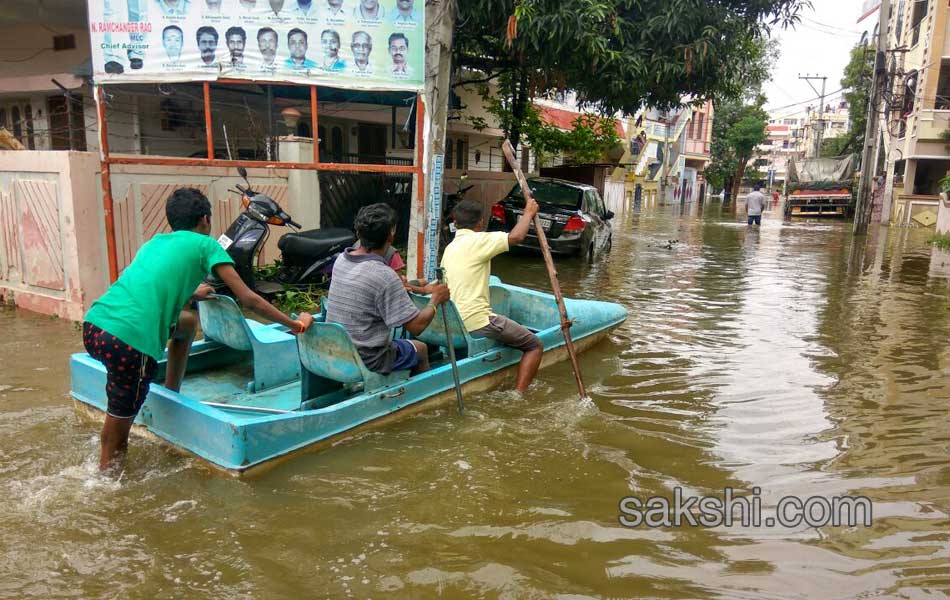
[(614, 196)]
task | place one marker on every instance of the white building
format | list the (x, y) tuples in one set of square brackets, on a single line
[(795, 135), (831, 123)]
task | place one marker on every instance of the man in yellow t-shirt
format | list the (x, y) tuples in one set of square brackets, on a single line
[(467, 264)]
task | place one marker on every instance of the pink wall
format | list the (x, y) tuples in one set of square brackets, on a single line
[(52, 226), (139, 193), (50, 261), (699, 131)]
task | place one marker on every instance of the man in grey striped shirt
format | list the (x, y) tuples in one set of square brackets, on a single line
[(369, 299)]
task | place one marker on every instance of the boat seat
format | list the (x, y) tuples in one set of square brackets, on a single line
[(273, 349), (327, 354), (500, 300), (462, 340)]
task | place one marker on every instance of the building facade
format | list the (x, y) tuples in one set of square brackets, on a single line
[(913, 155), (831, 122), (798, 136), (772, 157), (667, 152)]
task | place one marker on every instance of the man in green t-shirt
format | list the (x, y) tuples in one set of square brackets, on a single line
[(128, 328)]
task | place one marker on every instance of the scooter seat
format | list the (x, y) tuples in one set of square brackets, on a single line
[(315, 243)]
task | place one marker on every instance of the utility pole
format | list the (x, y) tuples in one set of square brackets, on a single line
[(440, 24), (862, 212), (821, 110), (664, 166), (771, 170)]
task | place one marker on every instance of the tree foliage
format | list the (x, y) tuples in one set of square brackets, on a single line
[(857, 90), (740, 123), (857, 85), (589, 139), (738, 128), (617, 55), (837, 146)]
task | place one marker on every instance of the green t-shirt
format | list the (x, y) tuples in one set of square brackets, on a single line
[(144, 303)]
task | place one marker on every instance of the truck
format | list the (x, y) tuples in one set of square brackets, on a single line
[(820, 187)]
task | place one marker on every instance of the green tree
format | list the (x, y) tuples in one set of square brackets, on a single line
[(589, 139), (617, 55), (837, 146), (857, 85), (740, 123), (737, 129)]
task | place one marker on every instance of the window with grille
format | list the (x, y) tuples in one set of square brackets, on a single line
[(17, 124), (461, 155), (449, 153), (28, 114)]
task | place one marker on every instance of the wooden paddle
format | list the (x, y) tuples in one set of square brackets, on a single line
[(450, 346), (549, 263)]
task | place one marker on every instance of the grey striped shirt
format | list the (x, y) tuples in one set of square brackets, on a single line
[(368, 299)]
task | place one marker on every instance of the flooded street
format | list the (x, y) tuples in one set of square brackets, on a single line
[(786, 359)]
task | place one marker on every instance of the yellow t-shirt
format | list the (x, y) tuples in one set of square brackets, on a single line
[(467, 264)]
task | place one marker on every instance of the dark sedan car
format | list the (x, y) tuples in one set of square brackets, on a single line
[(573, 215)]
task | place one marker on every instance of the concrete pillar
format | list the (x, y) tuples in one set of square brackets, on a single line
[(910, 176), (943, 216), (888, 199), (440, 25), (303, 194)]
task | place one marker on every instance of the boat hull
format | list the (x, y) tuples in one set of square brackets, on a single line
[(245, 433), (440, 400)]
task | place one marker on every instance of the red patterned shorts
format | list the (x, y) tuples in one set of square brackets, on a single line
[(128, 371)]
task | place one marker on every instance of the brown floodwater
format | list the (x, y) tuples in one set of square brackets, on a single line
[(793, 359)]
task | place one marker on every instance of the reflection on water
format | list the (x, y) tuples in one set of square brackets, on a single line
[(786, 358)]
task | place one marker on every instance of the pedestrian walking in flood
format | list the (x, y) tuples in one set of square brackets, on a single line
[(754, 204)]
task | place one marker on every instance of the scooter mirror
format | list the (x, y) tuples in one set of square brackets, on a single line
[(242, 172)]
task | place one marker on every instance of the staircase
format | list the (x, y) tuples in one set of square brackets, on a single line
[(648, 152)]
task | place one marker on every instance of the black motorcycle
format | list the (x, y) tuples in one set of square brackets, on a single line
[(306, 256)]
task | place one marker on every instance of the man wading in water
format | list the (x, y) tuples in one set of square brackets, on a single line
[(150, 304), (754, 204)]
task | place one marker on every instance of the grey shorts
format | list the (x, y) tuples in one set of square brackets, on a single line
[(508, 333)]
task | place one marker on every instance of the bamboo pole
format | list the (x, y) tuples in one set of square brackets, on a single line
[(450, 345), (208, 133), (314, 124), (549, 263), (107, 206)]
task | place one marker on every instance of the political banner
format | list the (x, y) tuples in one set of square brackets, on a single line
[(362, 44)]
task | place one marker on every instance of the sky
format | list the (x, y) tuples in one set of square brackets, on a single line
[(819, 45)]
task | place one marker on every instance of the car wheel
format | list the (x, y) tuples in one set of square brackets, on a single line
[(590, 253)]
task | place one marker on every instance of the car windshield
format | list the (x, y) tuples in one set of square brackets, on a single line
[(551, 193)]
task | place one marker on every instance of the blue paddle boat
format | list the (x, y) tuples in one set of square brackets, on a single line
[(255, 394)]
